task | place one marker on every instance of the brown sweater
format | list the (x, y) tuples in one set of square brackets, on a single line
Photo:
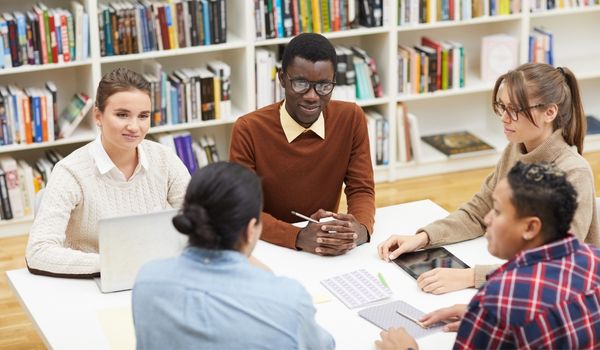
[(467, 222), (307, 174)]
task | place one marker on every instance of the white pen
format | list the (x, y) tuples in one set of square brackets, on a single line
[(411, 318), (304, 217)]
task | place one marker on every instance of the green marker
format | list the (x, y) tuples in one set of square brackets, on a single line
[(382, 280)]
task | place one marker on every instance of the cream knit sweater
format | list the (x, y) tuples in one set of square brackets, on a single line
[(467, 222), (63, 238)]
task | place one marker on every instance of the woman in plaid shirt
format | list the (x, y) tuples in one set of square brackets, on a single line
[(548, 293)]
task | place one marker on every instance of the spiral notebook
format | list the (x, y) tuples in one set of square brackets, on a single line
[(357, 288)]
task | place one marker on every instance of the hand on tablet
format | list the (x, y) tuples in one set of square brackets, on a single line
[(450, 315), (443, 280), (333, 237), (394, 339), (396, 245)]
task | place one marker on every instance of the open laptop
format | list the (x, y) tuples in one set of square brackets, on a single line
[(128, 242)]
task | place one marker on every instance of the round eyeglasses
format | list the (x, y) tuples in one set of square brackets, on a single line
[(301, 86), (500, 108)]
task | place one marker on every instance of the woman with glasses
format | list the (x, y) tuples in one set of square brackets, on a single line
[(542, 116), (305, 148)]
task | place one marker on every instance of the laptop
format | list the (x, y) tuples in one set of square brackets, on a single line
[(128, 242)]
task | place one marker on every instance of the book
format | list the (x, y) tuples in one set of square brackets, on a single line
[(73, 114), (9, 165), (6, 212), (499, 54), (593, 125), (456, 144)]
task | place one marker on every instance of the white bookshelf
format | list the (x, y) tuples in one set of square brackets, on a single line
[(576, 46)]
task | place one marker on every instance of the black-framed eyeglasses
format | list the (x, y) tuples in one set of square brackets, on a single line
[(500, 108), (301, 86)]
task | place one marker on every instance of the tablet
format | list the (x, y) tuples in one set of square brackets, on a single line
[(416, 263)]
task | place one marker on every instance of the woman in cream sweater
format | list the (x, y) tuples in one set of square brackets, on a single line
[(119, 173), (542, 115)]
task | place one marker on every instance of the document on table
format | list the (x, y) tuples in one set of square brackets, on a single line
[(117, 324), (388, 316), (357, 288)]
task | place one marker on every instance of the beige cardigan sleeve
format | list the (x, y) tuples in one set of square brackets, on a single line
[(466, 223), (46, 251)]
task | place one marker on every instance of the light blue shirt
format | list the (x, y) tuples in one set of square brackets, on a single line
[(207, 299)]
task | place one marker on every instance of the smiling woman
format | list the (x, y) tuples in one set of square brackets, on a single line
[(119, 173)]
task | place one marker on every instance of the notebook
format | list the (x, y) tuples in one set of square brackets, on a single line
[(357, 288), (127, 242), (386, 316)]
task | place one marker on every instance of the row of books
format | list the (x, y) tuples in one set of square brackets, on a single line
[(379, 141), (130, 26), (286, 18), (433, 65), (411, 12), (30, 115), (189, 95), (541, 46), (193, 154), (356, 75), (44, 35), (19, 182), (543, 5)]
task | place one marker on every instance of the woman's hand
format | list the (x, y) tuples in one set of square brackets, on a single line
[(443, 280), (396, 245)]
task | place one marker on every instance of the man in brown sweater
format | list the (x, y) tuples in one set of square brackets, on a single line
[(304, 148)]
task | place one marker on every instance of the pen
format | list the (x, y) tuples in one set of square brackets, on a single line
[(411, 318), (382, 280), (304, 217)]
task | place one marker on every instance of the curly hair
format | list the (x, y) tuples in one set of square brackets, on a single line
[(542, 190)]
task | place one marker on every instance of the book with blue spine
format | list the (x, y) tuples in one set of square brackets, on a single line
[(206, 22)]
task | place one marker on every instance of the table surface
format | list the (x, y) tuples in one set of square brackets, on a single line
[(66, 311)]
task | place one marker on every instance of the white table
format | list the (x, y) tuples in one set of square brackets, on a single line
[(65, 311)]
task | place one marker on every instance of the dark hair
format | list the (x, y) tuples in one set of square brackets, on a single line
[(220, 200), (310, 46), (546, 85), (120, 79), (543, 190)]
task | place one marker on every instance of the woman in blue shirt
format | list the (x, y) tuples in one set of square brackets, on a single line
[(212, 297)]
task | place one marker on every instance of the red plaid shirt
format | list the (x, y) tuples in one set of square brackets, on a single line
[(547, 297)]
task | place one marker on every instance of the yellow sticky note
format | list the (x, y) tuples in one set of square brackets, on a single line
[(320, 298)]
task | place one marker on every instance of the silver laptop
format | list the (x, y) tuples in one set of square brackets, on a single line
[(128, 242)]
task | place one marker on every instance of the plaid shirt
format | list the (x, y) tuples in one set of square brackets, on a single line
[(547, 297)]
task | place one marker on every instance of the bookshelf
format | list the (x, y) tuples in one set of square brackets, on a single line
[(576, 46)]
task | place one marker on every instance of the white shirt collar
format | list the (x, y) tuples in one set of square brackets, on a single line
[(105, 164)]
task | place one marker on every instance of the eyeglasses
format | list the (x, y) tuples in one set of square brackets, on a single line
[(301, 86), (500, 108)]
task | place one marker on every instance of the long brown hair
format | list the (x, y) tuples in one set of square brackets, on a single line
[(547, 85)]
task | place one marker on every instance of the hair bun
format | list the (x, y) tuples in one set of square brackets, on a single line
[(183, 224)]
